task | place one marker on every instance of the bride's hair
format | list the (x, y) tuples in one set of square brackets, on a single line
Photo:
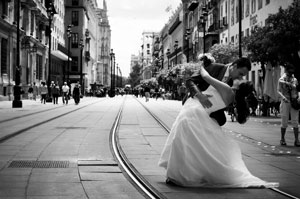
[(242, 108)]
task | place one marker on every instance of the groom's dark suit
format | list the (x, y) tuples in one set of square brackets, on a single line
[(217, 71)]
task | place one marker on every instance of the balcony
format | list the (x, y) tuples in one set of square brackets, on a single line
[(174, 25), (193, 5)]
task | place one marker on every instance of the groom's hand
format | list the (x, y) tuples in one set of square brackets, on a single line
[(204, 99)]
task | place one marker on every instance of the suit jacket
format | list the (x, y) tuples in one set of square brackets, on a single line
[(217, 71)]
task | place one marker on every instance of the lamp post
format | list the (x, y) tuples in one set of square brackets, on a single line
[(240, 28), (187, 36), (69, 35), (120, 76), (17, 103), (112, 57), (81, 45), (117, 75), (175, 49), (50, 13), (203, 19), (168, 56)]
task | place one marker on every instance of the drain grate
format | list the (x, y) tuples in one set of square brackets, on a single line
[(38, 164)]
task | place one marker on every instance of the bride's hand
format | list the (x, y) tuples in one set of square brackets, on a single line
[(204, 99)]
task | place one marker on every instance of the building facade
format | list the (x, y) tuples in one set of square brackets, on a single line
[(148, 38), (68, 36), (104, 45), (199, 24), (33, 43)]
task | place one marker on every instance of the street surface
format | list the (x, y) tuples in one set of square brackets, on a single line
[(81, 138)]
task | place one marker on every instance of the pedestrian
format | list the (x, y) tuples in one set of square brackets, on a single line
[(197, 152), (35, 91), (65, 93), (287, 90), (253, 102), (156, 92), (55, 93), (182, 91), (76, 94), (44, 92), (30, 92), (147, 92)]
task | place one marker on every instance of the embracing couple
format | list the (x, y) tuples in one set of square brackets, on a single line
[(197, 152)]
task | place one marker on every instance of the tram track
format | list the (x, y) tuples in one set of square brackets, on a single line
[(166, 128), (125, 164)]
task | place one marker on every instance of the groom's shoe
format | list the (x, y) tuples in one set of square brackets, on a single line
[(169, 182)]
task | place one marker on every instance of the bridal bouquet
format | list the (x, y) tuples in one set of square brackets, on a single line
[(188, 69)]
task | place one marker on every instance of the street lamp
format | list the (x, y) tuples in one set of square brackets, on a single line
[(17, 102), (168, 56), (112, 89), (69, 35), (203, 19), (187, 36), (175, 49), (50, 12), (81, 45)]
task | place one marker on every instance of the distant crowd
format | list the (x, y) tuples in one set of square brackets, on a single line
[(54, 91)]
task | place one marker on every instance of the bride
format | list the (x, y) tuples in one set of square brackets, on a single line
[(198, 153)]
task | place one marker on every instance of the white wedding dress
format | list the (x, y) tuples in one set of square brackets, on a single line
[(199, 154)]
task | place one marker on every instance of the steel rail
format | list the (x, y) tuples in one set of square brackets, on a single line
[(124, 163)]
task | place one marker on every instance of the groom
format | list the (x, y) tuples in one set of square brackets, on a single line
[(225, 73)]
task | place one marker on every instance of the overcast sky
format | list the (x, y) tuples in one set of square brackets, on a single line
[(128, 19)]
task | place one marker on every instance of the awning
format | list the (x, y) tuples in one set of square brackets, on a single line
[(60, 55)]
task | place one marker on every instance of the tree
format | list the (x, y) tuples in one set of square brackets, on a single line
[(135, 76), (224, 53), (279, 40)]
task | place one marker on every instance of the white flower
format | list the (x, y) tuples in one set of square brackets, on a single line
[(208, 55)]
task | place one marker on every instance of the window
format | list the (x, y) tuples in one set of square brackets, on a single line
[(247, 8), (267, 2), (3, 56), (148, 52), (39, 67), (253, 6), (75, 18), (32, 24), (232, 39), (74, 42), (260, 3), (75, 2), (74, 66), (148, 45), (232, 11), (247, 32)]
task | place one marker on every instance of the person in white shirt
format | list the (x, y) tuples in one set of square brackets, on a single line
[(65, 93)]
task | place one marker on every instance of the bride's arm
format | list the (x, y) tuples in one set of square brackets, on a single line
[(224, 89)]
